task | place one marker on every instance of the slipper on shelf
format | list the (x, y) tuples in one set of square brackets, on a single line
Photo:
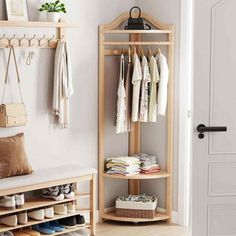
[(22, 218), (60, 209), (8, 202), (20, 200), (49, 212), (7, 233), (42, 229), (9, 220), (69, 222), (71, 207), (19, 233), (54, 225), (31, 232), (36, 215)]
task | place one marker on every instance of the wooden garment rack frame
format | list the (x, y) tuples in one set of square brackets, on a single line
[(135, 39)]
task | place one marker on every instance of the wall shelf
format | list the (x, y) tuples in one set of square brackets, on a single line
[(39, 24)]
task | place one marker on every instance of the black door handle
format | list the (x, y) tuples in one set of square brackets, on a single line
[(202, 129)]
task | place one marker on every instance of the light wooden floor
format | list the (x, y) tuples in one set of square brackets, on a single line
[(150, 229)]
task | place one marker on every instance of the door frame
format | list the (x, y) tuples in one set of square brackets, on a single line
[(185, 112)]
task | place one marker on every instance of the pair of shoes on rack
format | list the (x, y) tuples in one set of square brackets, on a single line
[(49, 227), (25, 232), (41, 213), (12, 202), (73, 222), (13, 220), (64, 208), (7, 233), (59, 193)]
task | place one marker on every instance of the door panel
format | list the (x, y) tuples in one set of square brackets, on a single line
[(224, 214), (214, 157), (222, 179), (223, 76)]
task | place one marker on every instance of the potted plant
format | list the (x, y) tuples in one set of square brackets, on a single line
[(53, 10)]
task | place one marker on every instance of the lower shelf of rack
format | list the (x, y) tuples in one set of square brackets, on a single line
[(70, 230), (159, 175), (112, 216), (31, 222)]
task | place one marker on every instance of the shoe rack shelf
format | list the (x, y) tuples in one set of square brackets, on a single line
[(81, 175), (115, 46), (35, 222), (41, 202)]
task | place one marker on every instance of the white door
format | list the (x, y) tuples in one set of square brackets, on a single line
[(214, 156)]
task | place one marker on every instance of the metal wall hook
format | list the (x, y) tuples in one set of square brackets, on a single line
[(24, 42), (43, 42), (14, 41), (34, 42)]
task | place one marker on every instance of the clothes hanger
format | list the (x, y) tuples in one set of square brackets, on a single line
[(149, 52), (129, 53), (142, 52), (135, 51), (158, 51)]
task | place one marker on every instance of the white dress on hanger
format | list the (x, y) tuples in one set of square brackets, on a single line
[(163, 85), (153, 89), (143, 111), (121, 120), (136, 81)]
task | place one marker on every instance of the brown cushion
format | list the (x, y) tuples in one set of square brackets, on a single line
[(13, 159)]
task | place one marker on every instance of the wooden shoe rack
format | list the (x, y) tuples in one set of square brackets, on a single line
[(41, 203)]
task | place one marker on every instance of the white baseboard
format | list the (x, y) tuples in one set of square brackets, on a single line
[(174, 216)]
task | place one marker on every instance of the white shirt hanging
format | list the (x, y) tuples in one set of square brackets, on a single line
[(121, 121), (143, 111), (163, 85), (153, 89), (136, 81)]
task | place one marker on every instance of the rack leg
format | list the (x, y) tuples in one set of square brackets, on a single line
[(92, 206)]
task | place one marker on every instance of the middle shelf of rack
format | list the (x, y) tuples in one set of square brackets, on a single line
[(35, 203), (31, 222), (159, 175)]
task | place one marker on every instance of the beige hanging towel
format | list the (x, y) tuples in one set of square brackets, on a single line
[(136, 81), (63, 88), (153, 89), (163, 85)]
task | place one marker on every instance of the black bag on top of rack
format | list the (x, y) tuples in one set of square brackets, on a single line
[(136, 23)]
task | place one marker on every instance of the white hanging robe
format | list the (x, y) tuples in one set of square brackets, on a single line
[(136, 81), (143, 111), (121, 121), (163, 85), (63, 87), (153, 89)]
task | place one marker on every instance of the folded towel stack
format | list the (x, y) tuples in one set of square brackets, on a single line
[(149, 164), (123, 165)]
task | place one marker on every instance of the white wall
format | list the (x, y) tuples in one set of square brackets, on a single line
[(154, 136), (47, 146)]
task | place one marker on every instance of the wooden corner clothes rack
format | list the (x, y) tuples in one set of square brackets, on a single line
[(135, 41)]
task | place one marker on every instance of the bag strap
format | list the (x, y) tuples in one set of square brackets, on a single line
[(136, 7), (7, 72)]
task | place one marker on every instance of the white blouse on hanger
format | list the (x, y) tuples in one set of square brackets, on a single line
[(143, 113), (153, 89), (163, 85), (121, 121), (136, 81)]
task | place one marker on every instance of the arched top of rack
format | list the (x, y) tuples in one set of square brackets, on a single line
[(161, 27)]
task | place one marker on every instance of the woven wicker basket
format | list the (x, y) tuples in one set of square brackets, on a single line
[(130, 213)]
